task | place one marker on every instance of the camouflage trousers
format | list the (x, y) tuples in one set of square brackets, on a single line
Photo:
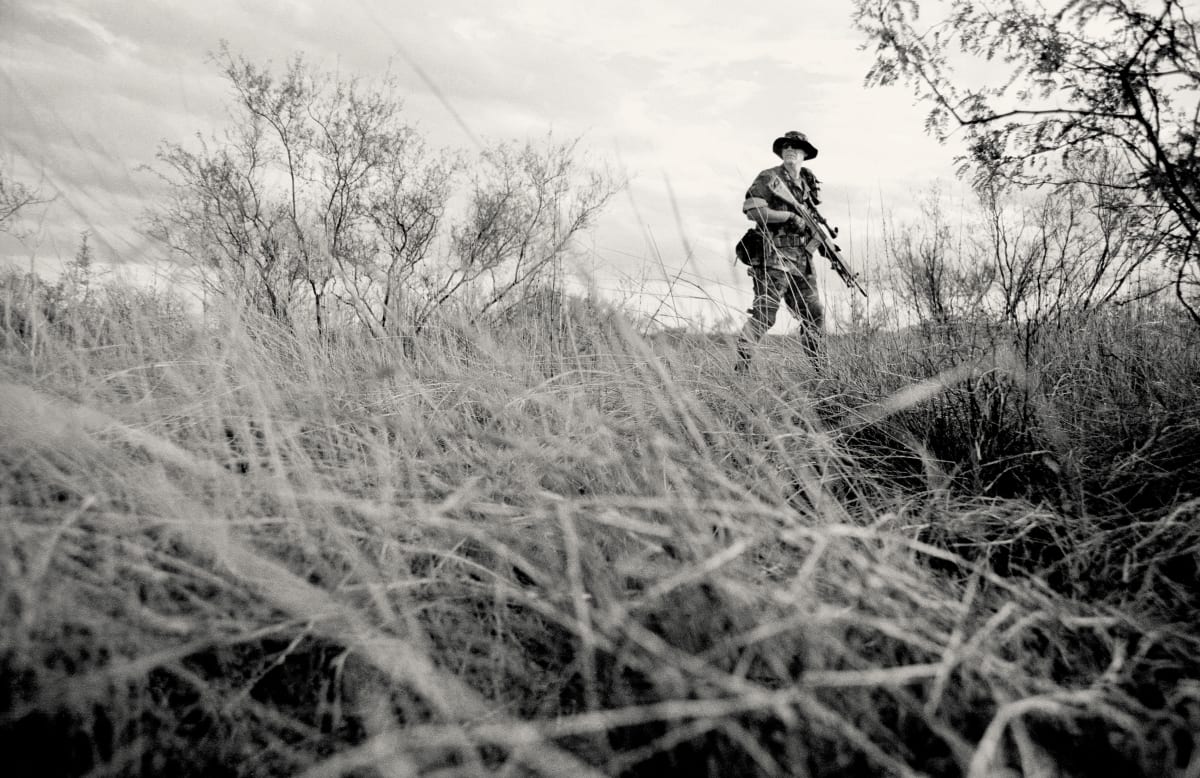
[(772, 287)]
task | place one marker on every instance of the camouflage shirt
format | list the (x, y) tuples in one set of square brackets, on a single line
[(787, 245)]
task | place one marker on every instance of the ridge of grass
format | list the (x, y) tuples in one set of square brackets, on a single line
[(567, 549)]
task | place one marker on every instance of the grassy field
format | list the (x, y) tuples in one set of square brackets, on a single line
[(552, 547)]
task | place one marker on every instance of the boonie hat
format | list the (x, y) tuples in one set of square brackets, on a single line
[(793, 138)]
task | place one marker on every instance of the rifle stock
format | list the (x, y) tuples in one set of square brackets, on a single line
[(821, 236)]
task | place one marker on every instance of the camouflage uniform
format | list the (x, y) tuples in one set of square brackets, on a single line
[(785, 271)]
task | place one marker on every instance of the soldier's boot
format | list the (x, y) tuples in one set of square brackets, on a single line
[(741, 365)]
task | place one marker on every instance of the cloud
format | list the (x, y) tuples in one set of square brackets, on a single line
[(57, 28)]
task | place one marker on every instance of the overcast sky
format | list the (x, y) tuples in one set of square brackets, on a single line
[(686, 93)]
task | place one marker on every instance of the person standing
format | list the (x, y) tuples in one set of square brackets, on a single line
[(781, 265)]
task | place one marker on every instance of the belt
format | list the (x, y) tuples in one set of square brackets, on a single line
[(789, 241)]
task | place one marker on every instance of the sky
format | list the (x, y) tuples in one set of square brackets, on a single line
[(682, 98)]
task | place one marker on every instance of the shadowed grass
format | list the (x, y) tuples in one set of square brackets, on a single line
[(549, 550)]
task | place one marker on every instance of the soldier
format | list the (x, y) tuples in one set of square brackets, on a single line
[(781, 262)]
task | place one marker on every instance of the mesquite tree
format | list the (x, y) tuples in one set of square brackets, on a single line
[(317, 194), (321, 196), (1111, 79), (15, 197)]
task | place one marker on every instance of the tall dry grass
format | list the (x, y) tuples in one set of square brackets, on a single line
[(561, 548)]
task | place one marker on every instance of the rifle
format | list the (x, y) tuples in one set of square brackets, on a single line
[(823, 234)]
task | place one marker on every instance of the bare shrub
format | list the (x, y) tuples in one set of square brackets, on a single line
[(320, 200)]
